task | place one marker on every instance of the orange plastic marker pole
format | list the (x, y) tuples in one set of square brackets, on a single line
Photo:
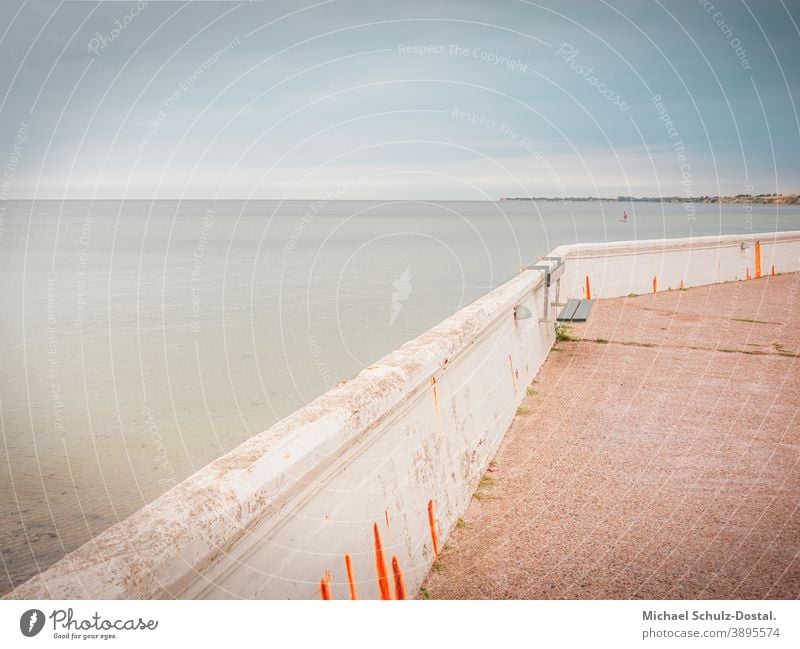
[(325, 587), (588, 289), (380, 565), (758, 259), (399, 582), (348, 564), (432, 524), (655, 284)]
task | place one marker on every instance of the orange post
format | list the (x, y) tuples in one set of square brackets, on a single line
[(399, 582), (432, 525), (380, 565), (325, 587), (588, 289), (758, 259), (772, 272), (655, 284), (348, 564)]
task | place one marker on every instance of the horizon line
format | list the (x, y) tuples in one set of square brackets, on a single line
[(584, 197)]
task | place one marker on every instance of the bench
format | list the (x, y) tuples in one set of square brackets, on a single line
[(575, 311)]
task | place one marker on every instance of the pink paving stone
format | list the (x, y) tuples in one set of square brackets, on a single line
[(663, 464)]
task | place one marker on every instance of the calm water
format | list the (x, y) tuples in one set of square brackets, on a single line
[(141, 340)]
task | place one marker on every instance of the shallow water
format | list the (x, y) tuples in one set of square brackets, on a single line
[(141, 340)]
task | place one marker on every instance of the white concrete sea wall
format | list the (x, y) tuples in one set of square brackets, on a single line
[(360, 481), (277, 514), (620, 268)]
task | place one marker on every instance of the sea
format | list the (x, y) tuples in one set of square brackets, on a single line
[(140, 340)]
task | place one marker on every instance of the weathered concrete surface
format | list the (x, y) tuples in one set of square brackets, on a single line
[(618, 268), (664, 463), (274, 516)]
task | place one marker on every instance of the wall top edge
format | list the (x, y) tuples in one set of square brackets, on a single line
[(612, 248)]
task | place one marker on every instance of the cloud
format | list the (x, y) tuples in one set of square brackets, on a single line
[(309, 99)]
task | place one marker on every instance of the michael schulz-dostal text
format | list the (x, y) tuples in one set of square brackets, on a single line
[(665, 616)]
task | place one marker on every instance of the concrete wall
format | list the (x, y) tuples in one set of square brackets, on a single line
[(271, 517), (416, 430), (620, 268)]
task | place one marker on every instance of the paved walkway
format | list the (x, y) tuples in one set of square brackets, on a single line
[(659, 457)]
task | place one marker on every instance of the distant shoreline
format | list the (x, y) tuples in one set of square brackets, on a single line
[(744, 199)]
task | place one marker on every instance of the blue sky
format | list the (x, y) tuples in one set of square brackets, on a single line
[(375, 100)]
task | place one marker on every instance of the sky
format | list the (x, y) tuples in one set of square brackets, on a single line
[(366, 99)]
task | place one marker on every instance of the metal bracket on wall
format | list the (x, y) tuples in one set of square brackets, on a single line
[(553, 268)]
